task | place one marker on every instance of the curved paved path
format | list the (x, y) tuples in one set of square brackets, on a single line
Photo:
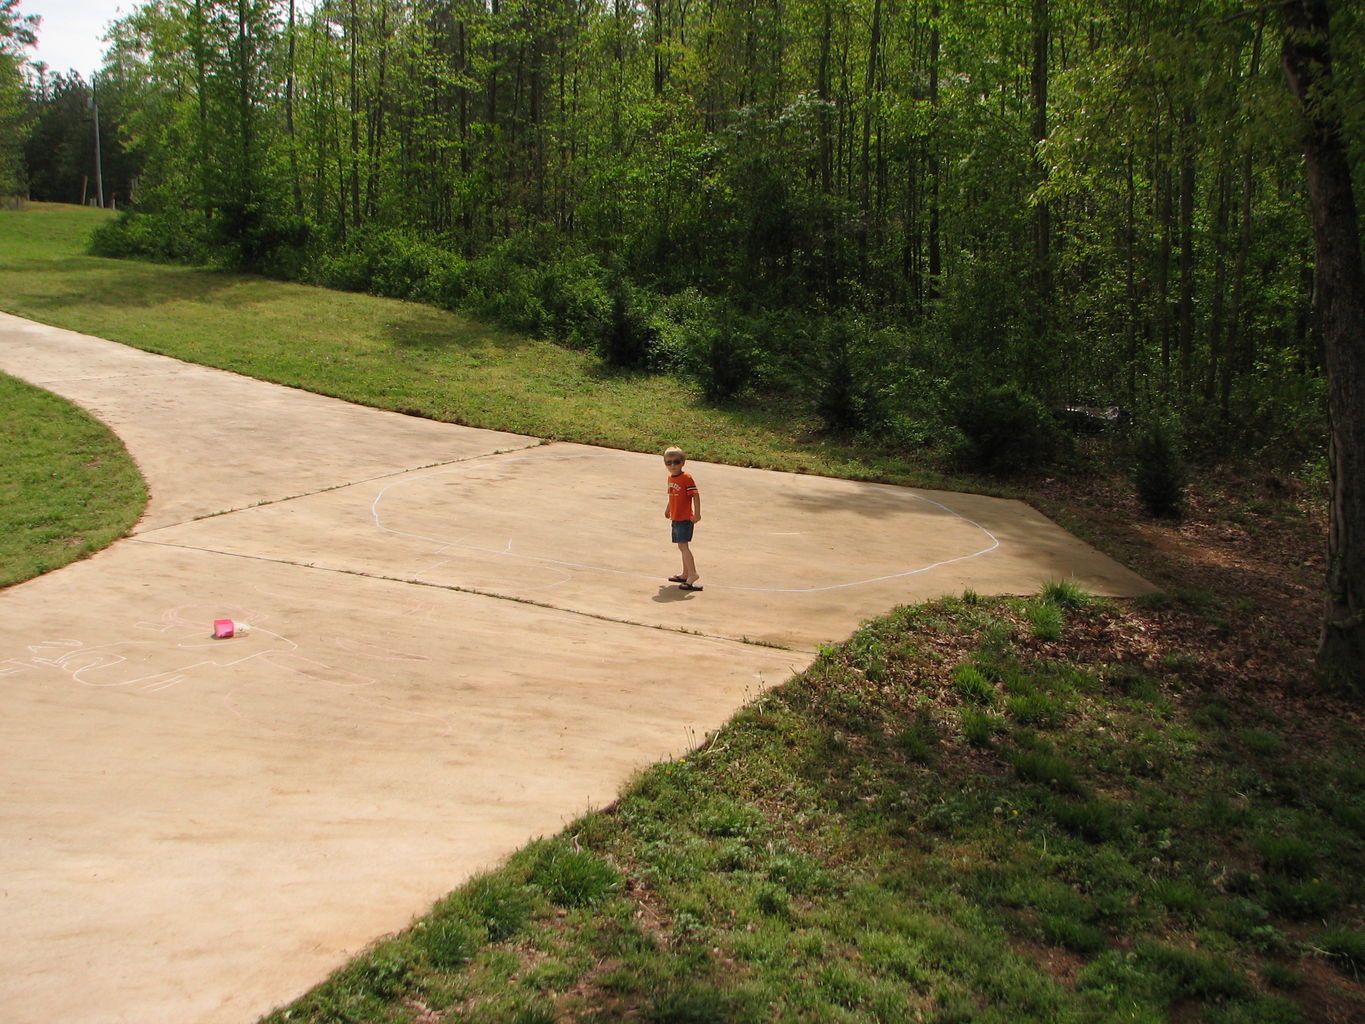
[(460, 640)]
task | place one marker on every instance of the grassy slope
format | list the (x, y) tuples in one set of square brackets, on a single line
[(390, 354), (67, 485), (974, 810)]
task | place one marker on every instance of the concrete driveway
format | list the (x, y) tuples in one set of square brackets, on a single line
[(460, 640)]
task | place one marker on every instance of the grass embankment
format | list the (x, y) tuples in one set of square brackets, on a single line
[(1045, 810), (972, 810)]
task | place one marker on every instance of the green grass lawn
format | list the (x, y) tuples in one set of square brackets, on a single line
[(1043, 810), (67, 485)]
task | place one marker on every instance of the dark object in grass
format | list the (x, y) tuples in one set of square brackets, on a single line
[(1090, 419), (1346, 947)]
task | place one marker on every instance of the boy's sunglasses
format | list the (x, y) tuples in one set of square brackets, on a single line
[(673, 462)]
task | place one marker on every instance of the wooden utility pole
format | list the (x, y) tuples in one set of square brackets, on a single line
[(99, 172)]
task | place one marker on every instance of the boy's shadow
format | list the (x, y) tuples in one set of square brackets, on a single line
[(670, 593)]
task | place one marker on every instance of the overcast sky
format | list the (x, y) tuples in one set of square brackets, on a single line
[(69, 36)]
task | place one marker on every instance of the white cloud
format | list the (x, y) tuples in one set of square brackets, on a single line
[(69, 35)]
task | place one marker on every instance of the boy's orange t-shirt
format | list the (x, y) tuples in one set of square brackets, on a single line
[(680, 491)]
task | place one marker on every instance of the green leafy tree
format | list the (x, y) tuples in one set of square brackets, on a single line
[(18, 32), (59, 154)]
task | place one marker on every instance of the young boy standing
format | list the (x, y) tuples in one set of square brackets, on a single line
[(684, 509)]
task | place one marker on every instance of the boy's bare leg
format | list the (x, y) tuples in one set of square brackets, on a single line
[(689, 565)]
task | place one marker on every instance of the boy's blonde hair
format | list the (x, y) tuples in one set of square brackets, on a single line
[(674, 450)]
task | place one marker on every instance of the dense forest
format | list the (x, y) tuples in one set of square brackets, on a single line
[(1102, 203), (934, 224)]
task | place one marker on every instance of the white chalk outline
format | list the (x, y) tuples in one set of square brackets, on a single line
[(507, 552)]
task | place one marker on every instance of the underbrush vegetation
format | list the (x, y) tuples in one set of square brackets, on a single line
[(885, 386), (1124, 842)]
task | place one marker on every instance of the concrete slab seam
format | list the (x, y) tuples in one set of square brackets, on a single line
[(476, 592)]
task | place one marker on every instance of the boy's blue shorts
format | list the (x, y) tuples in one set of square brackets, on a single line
[(682, 531)]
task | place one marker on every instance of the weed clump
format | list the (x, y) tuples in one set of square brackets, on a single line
[(572, 878), (1346, 946)]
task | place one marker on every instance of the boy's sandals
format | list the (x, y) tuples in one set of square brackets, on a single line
[(677, 579), (684, 585)]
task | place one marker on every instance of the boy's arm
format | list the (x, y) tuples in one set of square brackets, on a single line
[(696, 507)]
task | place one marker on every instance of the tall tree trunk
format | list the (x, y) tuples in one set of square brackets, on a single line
[(1042, 214), (658, 45), (1233, 357), (244, 112), (199, 48), (353, 41), (869, 112), (1185, 321), (1341, 314), (1130, 288), (295, 183), (374, 129), (1162, 285), (935, 244), (1217, 341)]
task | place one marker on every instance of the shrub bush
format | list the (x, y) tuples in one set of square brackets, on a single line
[(575, 302), (252, 236), (172, 236), (704, 339), (628, 337), (842, 371), (840, 392), (1006, 431), (1159, 473), (384, 262)]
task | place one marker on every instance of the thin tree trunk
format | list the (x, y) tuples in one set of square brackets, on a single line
[(1186, 299), (1042, 214), (1218, 353), (295, 183), (865, 165), (374, 139), (1233, 357), (1165, 220), (353, 33), (198, 45), (935, 243), (1130, 278)]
